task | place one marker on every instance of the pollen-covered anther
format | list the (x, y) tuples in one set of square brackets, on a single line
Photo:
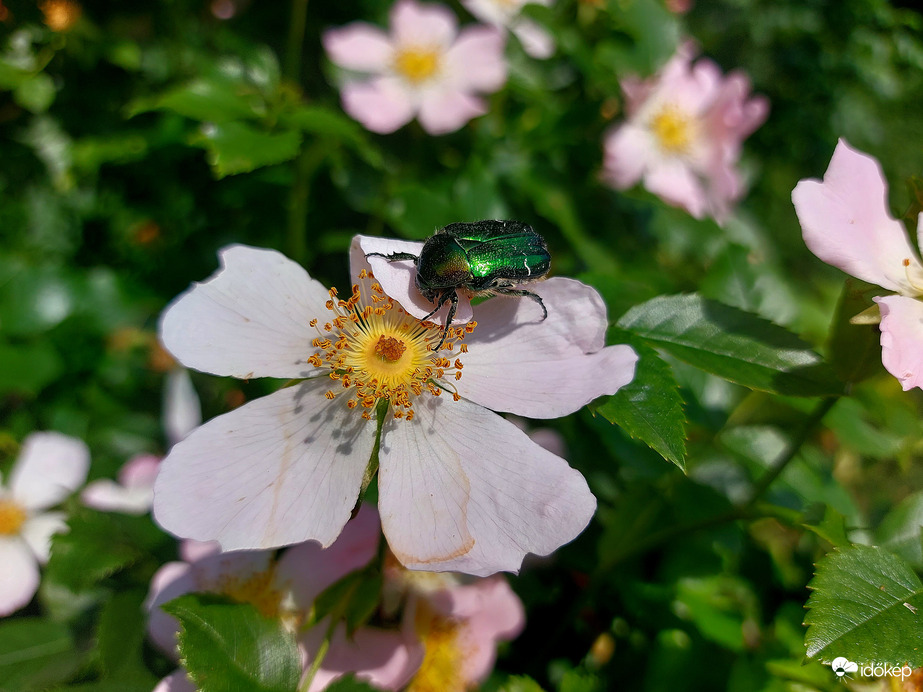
[(376, 348)]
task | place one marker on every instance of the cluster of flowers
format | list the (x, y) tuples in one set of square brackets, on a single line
[(461, 489), (684, 127)]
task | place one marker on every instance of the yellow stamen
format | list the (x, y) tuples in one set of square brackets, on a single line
[(674, 130), (382, 352), (12, 517), (444, 656), (417, 64)]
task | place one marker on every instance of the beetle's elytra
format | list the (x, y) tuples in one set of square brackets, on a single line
[(483, 257)]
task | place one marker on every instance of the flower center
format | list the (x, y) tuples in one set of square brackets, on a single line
[(258, 589), (443, 658), (12, 517), (674, 130), (375, 350), (417, 64)]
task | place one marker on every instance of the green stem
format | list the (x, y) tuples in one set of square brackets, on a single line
[(791, 452), (306, 165), (318, 657), (293, 49)]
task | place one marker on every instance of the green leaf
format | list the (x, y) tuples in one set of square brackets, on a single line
[(352, 599), (227, 646), (36, 93), (417, 211), (327, 124), (719, 605), (827, 523), (28, 368), (33, 299), (120, 636), (215, 100), (866, 605), (855, 349), (236, 147), (35, 654), (99, 544), (520, 683), (901, 531), (732, 344), (650, 408), (349, 683)]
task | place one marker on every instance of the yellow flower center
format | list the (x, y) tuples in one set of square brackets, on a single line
[(12, 517), (674, 130), (443, 658), (417, 64), (378, 351)]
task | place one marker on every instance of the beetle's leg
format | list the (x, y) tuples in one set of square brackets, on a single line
[(450, 295), (394, 256), (506, 291)]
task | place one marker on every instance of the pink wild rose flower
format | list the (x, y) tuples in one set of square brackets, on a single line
[(49, 468), (505, 14), (424, 68), (683, 133), (460, 487), (846, 223)]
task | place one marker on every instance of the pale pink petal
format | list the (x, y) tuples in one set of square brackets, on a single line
[(282, 469), (462, 489), (446, 111), (108, 496), (385, 658), (902, 339), (627, 151), (182, 411), (674, 182), (50, 467), (382, 105), (249, 319), (308, 569), (496, 13), (192, 551), (359, 46), (38, 530), (19, 576), (535, 39), (176, 682), (397, 278), (140, 471), (171, 581), (418, 24), (519, 363), (488, 612), (475, 61), (846, 222)]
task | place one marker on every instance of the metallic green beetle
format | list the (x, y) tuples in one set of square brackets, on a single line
[(483, 257)]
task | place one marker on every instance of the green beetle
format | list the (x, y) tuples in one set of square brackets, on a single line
[(483, 257)]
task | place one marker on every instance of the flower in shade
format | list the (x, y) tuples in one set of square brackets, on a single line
[(846, 223), (505, 14), (683, 134), (286, 588), (423, 68), (460, 488), (133, 491), (49, 468)]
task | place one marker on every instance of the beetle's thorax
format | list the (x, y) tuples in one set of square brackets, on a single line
[(442, 263)]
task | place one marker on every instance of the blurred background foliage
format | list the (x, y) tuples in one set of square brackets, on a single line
[(138, 138)]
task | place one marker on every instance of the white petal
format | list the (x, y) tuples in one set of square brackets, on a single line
[(519, 363), (38, 530), (108, 496), (397, 278), (535, 39), (902, 339), (249, 319), (181, 408), (282, 469), (462, 489), (176, 682), (50, 467), (171, 581), (19, 576)]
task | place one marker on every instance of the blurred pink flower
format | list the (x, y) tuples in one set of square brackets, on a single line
[(504, 14), (425, 68), (683, 135), (846, 223), (49, 468), (460, 488), (133, 491)]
